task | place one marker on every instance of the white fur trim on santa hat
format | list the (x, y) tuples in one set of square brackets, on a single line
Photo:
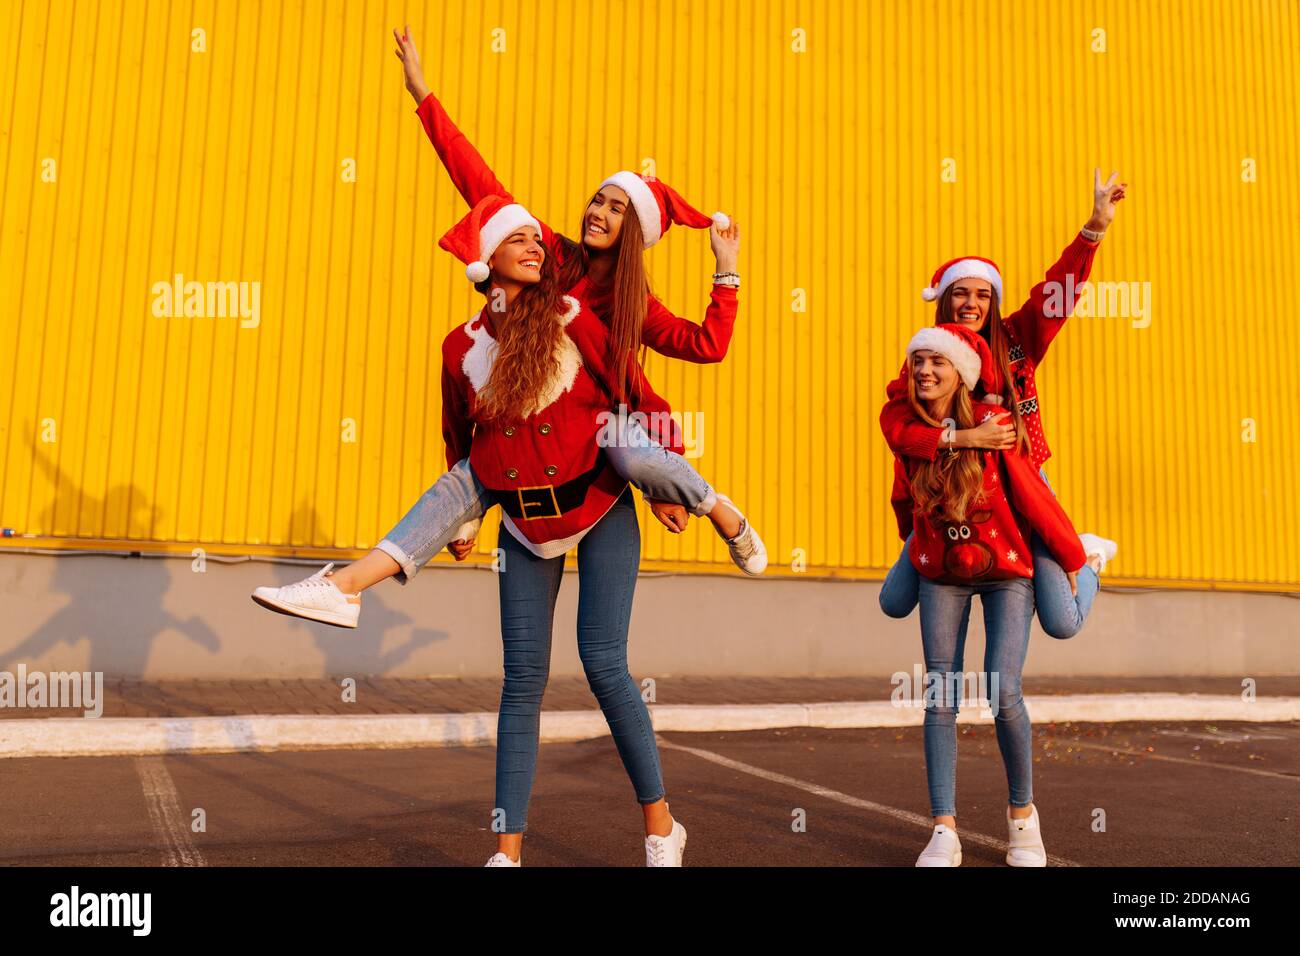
[(494, 232), (643, 201), (963, 358), (965, 269)]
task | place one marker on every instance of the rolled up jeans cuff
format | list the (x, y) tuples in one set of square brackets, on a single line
[(466, 532), (708, 504), (409, 567)]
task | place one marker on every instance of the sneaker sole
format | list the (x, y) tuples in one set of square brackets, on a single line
[(1024, 865), (321, 617), (956, 861)]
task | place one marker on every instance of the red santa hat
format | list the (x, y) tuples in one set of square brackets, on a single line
[(967, 267), (486, 226), (966, 350), (658, 206)]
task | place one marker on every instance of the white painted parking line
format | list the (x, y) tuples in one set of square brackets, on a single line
[(169, 825), (1213, 765), (903, 816), (1221, 736)]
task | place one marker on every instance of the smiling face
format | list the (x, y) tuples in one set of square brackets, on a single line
[(969, 301), (603, 220), (934, 376), (519, 258)]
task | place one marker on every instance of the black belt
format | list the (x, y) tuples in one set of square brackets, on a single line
[(547, 501)]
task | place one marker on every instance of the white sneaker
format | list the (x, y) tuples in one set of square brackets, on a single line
[(316, 598), (1026, 841), (747, 548), (666, 850), (500, 859), (1103, 548), (944, 849)]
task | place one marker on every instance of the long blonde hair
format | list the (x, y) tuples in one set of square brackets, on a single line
[(947, 487), (528, 336)]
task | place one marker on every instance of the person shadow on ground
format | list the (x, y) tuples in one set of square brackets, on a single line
[(358, 652)]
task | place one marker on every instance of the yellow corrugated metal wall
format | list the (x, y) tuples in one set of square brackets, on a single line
[(227, 165)]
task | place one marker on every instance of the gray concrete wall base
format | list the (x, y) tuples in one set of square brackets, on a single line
[(157, 618)]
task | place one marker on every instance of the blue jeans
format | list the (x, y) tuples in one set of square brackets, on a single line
[(453, 501), (1061, 613), (659, 473), (945, 613), (457, 499), (608, 558)]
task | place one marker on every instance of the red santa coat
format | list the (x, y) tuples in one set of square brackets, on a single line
[(545, 469), (993, 542), (662, 331)]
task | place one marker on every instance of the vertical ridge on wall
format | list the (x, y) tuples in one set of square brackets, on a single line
[(317, 427)]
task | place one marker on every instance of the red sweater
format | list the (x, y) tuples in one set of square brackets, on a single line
[(993, 542), (1031, 331), (554, 443), (664, 332)]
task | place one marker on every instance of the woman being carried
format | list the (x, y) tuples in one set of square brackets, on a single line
[(973, 514)]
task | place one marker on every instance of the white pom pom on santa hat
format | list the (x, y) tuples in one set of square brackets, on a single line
[(477, 271), (721, 220)]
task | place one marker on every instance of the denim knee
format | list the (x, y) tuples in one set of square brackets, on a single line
[(604, 676), (940, 715), (525, 683), (1011, 701)]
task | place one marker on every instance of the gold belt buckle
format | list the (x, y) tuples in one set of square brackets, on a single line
[(545, 498)]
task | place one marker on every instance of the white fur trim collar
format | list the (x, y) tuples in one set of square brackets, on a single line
[(482, 353)]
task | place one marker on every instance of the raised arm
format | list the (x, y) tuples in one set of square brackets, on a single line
[(680, 338), (1052, 301), (469, 172)]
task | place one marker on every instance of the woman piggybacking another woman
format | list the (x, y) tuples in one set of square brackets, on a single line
[(520, 401), (973, 514), (968, 292)]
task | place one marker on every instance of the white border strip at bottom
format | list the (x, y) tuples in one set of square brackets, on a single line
[(122, 736)]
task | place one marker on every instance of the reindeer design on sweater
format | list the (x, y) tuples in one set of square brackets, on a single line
[(964, 555)]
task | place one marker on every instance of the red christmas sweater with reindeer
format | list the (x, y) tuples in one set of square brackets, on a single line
[(664, 332), (551, 444), (993, 542)]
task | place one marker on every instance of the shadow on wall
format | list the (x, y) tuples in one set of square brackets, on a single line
[(122, 613), (121, 624)]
